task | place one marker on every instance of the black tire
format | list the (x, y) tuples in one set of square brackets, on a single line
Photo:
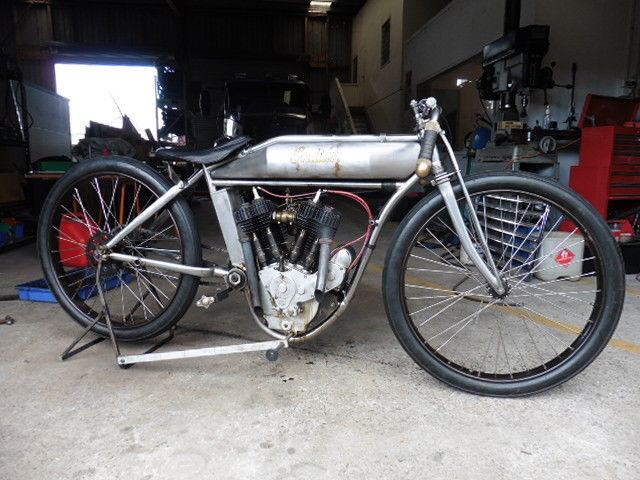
[(186, 286), (605, 314)]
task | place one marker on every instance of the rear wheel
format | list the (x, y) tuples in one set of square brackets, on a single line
[(564, 277), (88, 205)]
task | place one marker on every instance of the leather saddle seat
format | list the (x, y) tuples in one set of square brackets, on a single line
[(209, 156)]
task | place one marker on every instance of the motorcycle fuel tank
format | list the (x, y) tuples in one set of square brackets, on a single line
[(299, 157)]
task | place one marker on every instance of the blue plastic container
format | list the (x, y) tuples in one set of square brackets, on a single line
[(39, 291), (18, 231)]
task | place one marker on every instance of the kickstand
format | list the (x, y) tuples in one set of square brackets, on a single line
[(71, 351)]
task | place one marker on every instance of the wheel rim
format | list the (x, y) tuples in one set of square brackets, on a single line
[(532, 330), (88, 213)]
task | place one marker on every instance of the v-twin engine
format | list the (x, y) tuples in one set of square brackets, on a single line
[(292, 246)]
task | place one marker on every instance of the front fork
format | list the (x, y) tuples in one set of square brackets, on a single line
[(442, 181)]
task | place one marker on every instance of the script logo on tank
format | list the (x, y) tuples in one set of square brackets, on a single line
[(311, 157)]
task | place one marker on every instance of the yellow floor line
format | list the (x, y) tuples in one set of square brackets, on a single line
[(541, 319)]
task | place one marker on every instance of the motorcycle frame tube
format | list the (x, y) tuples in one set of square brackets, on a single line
[(303, 183), (213, 271), (225, 201), (489, 272), (152, 209)]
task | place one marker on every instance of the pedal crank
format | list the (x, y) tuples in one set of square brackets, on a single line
[(235, 279), (206, 301)]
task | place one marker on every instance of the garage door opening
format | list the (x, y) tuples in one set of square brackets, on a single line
[(103, 93)]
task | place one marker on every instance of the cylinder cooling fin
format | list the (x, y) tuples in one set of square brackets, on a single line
[(255, 220), (254, 216), (320, 220)]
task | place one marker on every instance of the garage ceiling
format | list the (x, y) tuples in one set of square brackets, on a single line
[(338, 7)]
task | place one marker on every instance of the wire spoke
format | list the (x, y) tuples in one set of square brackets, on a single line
[(442, 310), (562, 309), (152, 237), (96, 186), (515, 228), (552, 267), (86, 215), (551, 293), (457, 269), (464, 267), (466, 319)]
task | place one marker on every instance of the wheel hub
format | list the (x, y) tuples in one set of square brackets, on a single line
[(95, 247), (503, 295)]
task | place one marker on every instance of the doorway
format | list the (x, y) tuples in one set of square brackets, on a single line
[(104, 93)]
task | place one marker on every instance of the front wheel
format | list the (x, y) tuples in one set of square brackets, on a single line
[(564, 277)]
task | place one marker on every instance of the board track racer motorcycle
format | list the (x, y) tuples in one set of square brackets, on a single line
[(501, 284)]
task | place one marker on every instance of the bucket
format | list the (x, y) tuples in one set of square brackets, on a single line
[(73, 236), (562, 257)]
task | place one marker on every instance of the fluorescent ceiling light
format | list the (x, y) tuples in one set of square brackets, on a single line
[(320, 5)]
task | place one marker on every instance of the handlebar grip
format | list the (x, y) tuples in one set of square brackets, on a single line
[(428, 144)]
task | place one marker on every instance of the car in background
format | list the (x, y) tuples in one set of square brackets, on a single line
[(262, 109)]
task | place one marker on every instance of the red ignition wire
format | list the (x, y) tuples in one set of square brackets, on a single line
[(367, 233)]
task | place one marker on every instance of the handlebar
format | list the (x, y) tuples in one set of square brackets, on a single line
[(425, 110), (426, 113), (428, 144)]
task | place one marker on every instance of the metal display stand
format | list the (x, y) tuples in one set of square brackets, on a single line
[(271, 348)]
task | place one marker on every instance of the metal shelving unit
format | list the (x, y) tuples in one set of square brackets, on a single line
[(514, 227)]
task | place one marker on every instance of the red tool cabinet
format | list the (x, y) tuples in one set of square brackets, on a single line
[(609, 168)]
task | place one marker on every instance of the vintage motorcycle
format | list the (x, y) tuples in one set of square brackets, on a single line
[(501, 284)]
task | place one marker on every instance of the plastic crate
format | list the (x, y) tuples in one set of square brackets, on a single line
[(13, 230), (39, 291)]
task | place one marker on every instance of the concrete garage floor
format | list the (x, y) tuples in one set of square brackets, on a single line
[(351, 404)]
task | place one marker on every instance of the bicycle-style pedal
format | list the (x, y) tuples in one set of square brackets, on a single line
[(206, 301)]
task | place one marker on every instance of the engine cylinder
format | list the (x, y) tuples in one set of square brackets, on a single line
[(254, 216), (321, 220), (255, 220)]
